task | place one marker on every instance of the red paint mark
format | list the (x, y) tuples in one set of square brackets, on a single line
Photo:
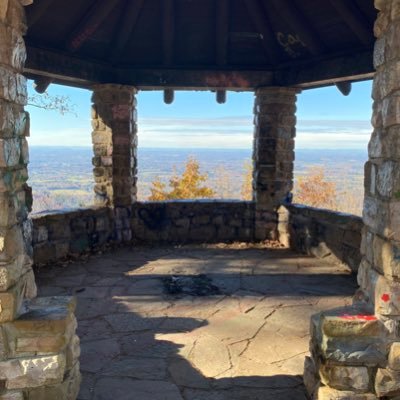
[(359, 317), (385, 297)]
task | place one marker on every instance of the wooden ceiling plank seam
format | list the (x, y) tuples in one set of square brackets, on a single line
[(131, 14), (222, 31), (38, 10), (90, 23), (297, 20), (263, 26), (168, 38), (354, 20)]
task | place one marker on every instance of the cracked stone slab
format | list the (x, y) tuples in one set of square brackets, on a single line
[(212, 362)]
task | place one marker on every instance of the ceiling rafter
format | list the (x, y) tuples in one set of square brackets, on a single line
[(221, 31), (131, 14), (168, 31), (90, 23), (38, 9), (263, 26), (354, 19), (296, 19)]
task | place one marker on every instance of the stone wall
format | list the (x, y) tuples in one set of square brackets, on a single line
[(39, 350), (356, 351), (326, 234), (63, 233), (58, 234), (201, 221)]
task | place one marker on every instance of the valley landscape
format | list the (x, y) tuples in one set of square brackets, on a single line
[(61, 177)]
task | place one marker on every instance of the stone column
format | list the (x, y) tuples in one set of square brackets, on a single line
[(115, 152), (275, 130), (356, 351), (38, 347)]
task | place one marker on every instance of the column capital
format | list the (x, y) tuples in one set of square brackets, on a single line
[(110, 93)]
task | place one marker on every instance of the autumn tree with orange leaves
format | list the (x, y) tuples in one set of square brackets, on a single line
[(190, 185), (313, 189)]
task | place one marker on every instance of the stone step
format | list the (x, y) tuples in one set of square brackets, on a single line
[(40, 351), (46, 327), (349, 336)]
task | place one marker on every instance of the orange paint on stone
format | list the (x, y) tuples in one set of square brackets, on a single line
[(359, 317)]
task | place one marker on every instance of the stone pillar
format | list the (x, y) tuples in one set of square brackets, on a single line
[(115, 152), (38, 346), (356, 351), (275, 130)]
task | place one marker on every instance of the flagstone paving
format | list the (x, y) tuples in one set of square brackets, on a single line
[(247, 342)]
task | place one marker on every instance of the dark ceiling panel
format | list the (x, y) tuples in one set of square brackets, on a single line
[(268, 35)]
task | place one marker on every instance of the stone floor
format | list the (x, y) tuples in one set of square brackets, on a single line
[(248, 342)]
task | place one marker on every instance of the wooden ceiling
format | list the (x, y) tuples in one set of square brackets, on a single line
[(202, 44)]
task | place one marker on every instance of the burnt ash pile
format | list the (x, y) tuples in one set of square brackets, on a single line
[(197, 285)]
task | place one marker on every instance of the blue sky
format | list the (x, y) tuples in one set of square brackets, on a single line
[(326, 119)]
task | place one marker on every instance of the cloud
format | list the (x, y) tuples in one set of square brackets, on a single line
[(222, 132)]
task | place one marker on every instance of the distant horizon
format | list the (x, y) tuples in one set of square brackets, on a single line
[(203, 148)]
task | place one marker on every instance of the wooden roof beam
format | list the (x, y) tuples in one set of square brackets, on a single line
[(354, 19), (296, 19), (74, 71), (90, 23), (168, 31), (221, 31), (38, 9), (130, 18), (267, 35)]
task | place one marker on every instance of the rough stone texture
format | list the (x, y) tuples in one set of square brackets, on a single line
[(326, 234), (115, 152), (275, 130), (64, 233), (375, 346), (202, 221), (35, 333), (248, 342)]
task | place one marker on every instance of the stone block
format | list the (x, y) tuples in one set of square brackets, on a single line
[(10, 272), (67, 390), (387, 382), (73, 352), (32, 372), (391, 111), (40, 234), (11, 300), (310, 376), (340, 377), (12, 51), (349, 336), (327, 393), (3, 10), (387, 297), (47, 327), (16, 16), (352, 321), (367, 278), (394, 356), (12, 86), (386, 256), (12, 395)]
